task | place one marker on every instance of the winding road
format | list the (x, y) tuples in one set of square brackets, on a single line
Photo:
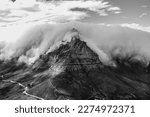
[(25, 89)]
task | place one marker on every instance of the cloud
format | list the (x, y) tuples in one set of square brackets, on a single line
[(30, 10), (137, 27), (99, 7), (142, 15), (144, 6), (102, 13), (113, 9), (117, 12), (107, 41)]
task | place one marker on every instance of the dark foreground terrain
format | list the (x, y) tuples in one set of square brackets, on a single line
[(74, 71)]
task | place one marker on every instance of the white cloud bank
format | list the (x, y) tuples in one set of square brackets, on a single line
[(107, 40)]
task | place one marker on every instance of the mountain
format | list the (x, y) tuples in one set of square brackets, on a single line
[(74, 71), (74, 60), (83, 76)]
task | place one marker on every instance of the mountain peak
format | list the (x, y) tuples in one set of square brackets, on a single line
[(71, 35), (75, 52)]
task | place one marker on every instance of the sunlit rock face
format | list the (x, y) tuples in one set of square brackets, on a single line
[(74, 71)]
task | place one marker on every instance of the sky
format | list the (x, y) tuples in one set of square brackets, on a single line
[(129, 13), (95, 11)]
